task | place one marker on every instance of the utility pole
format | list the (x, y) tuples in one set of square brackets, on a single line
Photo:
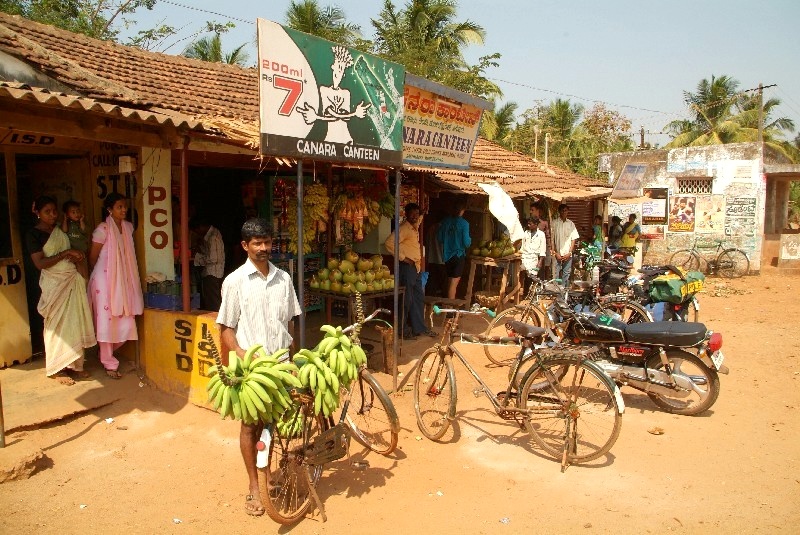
[(761, 118), (641, 137)]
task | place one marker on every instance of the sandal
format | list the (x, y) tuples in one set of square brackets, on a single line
[(114, 374), (83, 374), (252, 505), (63, 378)]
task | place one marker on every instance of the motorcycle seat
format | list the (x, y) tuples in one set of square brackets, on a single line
[(525, 330), (666, 333)]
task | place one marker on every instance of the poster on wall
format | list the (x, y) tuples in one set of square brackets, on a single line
[(654, 209), (653, 232), (324, 101), (623, 210), (710, 214), (681, 213), (740, 217), (439, 130), (630, 181)]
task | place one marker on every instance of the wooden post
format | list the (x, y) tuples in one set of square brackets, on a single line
[(186, 276)]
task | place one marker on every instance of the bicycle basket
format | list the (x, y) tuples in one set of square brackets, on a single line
[(672, 288), (329, 446)]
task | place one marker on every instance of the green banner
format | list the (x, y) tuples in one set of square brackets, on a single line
[(320, 100)]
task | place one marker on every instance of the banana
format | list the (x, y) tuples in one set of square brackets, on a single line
[(234, 364), (318, 362), (212, 371), (358, 353), (212, 382), (261, 393), (334, 383), (248, 355), (279, 353), (236, 403), (327, 373), (321, 383), (225, 407), (212, 393), (329, 330), (247, 403), (285, 367), (262, 361), (317, 402), (333, 361), (262, 379), (312, 377), (216, 396), (303, 375), (291, 380), (345, 341)]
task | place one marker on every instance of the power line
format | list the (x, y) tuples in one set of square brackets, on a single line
[(176, 4)]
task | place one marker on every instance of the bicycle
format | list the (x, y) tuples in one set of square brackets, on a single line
[(567, 404), (729, 262), (537, 310), (290, 462)]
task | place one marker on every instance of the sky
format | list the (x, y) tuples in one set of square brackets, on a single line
[(635, 57)]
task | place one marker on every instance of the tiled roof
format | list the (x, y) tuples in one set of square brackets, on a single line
[(226, 97)]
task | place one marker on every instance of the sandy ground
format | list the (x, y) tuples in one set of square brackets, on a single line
[(163, 466)]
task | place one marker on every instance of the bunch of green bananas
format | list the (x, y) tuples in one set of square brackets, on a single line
[(253, 388), (327, 367)]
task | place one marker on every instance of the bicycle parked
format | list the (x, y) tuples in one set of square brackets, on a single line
[(570, 408), (290, 463), (729, 262)]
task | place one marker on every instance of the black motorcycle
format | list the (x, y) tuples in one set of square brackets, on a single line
[(652, 357)]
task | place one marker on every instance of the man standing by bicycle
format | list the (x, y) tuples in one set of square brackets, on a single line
[(564, 236), (258, 304)]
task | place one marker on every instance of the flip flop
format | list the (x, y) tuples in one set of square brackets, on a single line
[(114, 374), (252, 506), (63, 378)]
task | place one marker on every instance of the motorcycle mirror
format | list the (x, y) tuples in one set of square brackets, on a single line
[(630, 259)]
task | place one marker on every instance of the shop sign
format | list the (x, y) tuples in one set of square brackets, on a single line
[(654, 206), (323, 101), (437, 130)]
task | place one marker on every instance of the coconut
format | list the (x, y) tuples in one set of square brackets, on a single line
[(346, 265), (333, 263)]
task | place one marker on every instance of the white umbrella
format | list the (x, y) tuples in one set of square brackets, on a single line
[(502, 207)]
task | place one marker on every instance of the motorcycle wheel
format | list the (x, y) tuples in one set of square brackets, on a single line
[(705, 380)]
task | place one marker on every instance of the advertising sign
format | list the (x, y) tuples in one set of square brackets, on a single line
[(438, 131), (630, 181), (681, 214), (710, 215), (740, 217), (654, 207), (324, 101)]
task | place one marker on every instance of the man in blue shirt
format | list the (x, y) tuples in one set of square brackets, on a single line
[(453, 234)]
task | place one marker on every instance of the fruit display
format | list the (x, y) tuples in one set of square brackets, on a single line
[(253, 388), (362, 208), (353, 273), (331, 365), (315, 210), (499, 248)]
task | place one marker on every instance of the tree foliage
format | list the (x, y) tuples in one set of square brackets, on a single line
[(100, 19), (328, 22), (209, 48)]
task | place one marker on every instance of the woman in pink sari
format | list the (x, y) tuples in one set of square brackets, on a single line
[(114, 286), (63, 304)]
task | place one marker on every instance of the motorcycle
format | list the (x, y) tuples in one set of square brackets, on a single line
[(654, 357), (639, 287)]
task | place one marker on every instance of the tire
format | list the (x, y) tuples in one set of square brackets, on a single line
[(578, 410), (434, 394), (282, 484), (706, 384), (686, 259), (372, 416), (630, 312), (733, 263), (504, 355)]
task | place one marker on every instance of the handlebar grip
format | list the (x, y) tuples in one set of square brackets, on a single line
[(436, 309), (491, 313)]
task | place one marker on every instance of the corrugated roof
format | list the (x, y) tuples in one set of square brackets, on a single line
[(45, 97)]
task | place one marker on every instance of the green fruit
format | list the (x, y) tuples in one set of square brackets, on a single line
[(336, 286), (349, 276), (336, 275), (377, 261), (333, 263), (346, 265), (484, 251), (361, 286), (351, 256), (324, 273), (364, 265), (369, 276)]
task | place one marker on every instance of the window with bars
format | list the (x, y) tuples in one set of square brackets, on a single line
[(695, 185)]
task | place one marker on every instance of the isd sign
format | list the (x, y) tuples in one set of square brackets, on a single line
[(324, 101)]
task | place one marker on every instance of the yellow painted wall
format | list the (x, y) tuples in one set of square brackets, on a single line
[(15, 342), (175, 354)]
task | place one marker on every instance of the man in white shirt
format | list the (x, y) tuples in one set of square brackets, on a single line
[(564, 236), (258, 304), (534, 248), (210, 256)]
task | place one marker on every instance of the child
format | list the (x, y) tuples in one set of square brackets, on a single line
[(75, 229), (597, 230)]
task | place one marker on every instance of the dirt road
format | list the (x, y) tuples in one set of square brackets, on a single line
[(162, 466)]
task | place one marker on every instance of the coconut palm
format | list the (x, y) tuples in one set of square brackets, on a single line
[(497, 124), (210, 49), (713, 122), (329, 22)]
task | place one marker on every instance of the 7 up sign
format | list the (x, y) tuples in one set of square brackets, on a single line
[(323, 101)]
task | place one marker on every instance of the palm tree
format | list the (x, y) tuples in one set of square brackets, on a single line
[(713, 122), (497, 124), (424, 37), (329, 23), (210, 49)]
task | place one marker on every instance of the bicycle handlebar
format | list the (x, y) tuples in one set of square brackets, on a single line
[(368, 318), (489, 311)]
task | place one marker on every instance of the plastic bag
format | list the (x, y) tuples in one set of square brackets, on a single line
[(676, 288)]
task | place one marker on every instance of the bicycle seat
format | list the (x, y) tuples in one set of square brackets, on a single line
[(525, 330), (673, 333)]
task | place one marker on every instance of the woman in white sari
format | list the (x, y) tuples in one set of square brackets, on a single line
[(64, 304)]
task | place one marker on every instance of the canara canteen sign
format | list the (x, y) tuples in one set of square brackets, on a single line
[(320, 100)]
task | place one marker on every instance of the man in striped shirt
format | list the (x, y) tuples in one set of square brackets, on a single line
[(258, 304), (211, 256)]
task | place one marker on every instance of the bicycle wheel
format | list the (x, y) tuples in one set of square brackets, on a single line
[(372, 416), (629, 312), (504, 355), (733, 263), (283, 484), (577, 413), (434, 394), (686, 259), (697, 385)]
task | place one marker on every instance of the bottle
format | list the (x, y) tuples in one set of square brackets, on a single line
[(595, 275)]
